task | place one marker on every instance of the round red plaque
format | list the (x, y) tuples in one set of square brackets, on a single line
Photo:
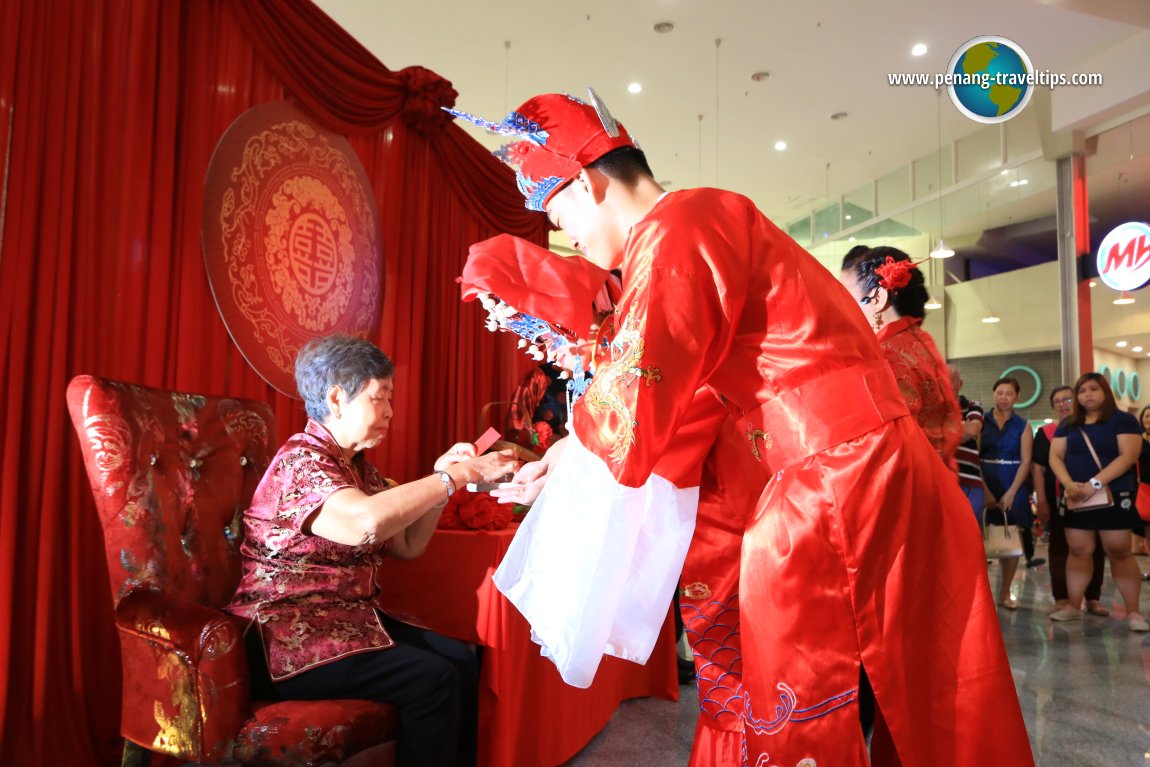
[(292, 240)]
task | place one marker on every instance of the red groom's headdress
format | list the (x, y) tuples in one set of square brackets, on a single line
[(560, 135)]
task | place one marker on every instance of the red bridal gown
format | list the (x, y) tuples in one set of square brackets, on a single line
[(841, 567)]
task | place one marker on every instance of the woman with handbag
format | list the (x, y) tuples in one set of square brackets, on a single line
[(1006, 454), (1093, 455)]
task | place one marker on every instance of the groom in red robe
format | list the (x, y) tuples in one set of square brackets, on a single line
[(842, 581)]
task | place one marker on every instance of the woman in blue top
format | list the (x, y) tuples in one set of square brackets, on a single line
[(1115, 437), (1006, 451)]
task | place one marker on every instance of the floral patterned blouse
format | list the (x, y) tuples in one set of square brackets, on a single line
[(924, 380), (312, 599)]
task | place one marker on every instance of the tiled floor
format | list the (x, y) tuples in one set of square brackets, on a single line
[(1084, 689)]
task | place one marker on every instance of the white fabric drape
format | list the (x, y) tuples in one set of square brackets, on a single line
[(595, 564)]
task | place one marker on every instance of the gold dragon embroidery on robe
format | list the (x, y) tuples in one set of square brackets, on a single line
[(611, 389)]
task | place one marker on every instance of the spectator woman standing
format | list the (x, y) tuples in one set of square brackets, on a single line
[(1006, 454), (1096, 448)]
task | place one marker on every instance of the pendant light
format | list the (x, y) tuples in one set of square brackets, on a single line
[(990, 317), (940, 251)]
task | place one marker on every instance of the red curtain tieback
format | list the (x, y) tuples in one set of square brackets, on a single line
[(425, 94)]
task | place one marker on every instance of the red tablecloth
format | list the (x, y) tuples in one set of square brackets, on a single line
[(527, 716)]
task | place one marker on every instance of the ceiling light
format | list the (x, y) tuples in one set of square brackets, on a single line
[(1005, 172), (847, 217), (635, 88), (941, 251), (932, 303), (1121, 344), (1136, 349), (663, 27), (840, 115), (1093, 283), (850, 239), (761, 75), (780, 145), (991, 318), (919, 49), (1048, 420), (1020, 182), (1123, 299)]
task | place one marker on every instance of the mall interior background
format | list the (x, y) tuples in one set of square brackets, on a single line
[(989, 191)]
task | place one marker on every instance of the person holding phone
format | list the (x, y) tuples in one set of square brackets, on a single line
[(1093, 455)]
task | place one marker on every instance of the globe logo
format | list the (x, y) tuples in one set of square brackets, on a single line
[(990, 79)]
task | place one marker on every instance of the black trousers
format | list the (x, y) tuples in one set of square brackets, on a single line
[(432, 680)]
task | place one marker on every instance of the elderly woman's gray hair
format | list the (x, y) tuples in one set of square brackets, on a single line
[(337, 360)]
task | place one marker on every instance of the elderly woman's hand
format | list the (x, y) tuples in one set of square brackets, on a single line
[(490, 467), (459, 452)]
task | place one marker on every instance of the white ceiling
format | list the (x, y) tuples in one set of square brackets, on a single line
[(823, 56)]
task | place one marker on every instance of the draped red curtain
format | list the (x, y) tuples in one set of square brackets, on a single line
[(109, 112)]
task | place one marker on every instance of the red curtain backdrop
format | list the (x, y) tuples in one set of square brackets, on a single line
[(109, 112)]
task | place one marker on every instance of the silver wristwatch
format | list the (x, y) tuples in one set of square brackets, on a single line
[(1094, 483), (448, 482)]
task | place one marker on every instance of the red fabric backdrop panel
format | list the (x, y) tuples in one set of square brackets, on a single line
[(109, 113)]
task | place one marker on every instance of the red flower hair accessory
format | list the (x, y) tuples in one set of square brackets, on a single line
[(893, 275)]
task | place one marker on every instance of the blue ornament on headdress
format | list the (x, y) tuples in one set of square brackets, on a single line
[(514, 124)]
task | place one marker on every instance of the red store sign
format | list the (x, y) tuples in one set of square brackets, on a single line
[(1124, 256)]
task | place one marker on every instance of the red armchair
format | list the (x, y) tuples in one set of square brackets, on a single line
[(172, 474)]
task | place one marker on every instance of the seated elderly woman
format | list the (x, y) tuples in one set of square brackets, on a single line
[(318, 528)]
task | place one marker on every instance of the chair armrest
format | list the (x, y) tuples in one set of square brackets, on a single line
[(186, 688)]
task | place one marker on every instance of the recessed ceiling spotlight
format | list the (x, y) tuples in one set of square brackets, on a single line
[(850, 239), (1121, 344), (1135, 348), (1005, 172), (761, 75), (1093, 283), (919, 49), (634, 88), (1019, 182), (847, 217), (663, 27), (840, 115), (780, 145)]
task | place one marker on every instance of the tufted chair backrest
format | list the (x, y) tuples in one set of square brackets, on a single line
[(172, 474)]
